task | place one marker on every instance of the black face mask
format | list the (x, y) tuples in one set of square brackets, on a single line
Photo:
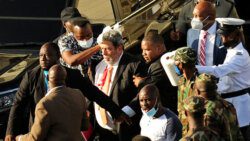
[(231, 43)]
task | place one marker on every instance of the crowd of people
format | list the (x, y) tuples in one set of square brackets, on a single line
[(84, 90)]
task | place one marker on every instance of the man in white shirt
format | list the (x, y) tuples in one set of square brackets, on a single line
[(114, 76), (234, 74), (157, 123)]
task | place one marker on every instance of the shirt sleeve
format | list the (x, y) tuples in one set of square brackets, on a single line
[(41, 125), (65, 43), (20, 102), (174, 128), (234, 65)]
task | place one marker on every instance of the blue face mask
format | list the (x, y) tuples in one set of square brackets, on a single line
[(177, 70), (152, 111)]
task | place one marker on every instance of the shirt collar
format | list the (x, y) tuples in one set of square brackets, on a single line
[(212, 29), (117, 62), (48, 93)]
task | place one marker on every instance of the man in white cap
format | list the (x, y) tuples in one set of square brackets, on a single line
[(233, 74)]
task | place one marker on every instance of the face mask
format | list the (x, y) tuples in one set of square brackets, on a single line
[(85, 43), (151, 112), (177, 70), (197, 24)]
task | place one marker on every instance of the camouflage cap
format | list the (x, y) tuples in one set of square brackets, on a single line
[(185, 55), (209, 81), (194, 104)]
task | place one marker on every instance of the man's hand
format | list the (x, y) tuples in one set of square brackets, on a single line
[(123, 118), (9, 138), (136, 80)]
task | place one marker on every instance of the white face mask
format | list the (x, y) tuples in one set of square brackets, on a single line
[(197, 24), (85, 43)]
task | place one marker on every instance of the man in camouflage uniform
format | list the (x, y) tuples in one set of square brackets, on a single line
[(185, 59), (220, 115), (195, 108)]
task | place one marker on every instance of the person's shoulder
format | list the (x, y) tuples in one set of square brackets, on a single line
[(44, 102), (35, 69), (65, 39), (34, 73), (239, 52), (206, 134), (74, 91), (215, 103), (214, 108), (171, 116), (229, 107), (156, 64)]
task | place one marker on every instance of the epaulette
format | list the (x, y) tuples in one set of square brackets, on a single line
[(240, 52)]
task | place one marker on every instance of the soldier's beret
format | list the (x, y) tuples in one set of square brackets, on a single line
[(185, 55), (194, 104)]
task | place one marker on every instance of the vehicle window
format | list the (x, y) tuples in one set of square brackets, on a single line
[(97, 11)]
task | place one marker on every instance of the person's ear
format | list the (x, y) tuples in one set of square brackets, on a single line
[(120, 48)]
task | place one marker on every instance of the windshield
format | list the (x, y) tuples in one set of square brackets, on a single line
[(13, 65), (8, 60)]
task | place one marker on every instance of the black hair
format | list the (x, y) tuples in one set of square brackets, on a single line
[(54, 46), (154, 37)]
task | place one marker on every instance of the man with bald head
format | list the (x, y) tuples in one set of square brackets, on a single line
[(157, 122), (202, 37), (60, 114), (35, 85), (224, 8)]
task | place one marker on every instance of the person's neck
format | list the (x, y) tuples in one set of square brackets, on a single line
[(195, 123), (55, 85), (188, 73), (209, 95), (209, 25)]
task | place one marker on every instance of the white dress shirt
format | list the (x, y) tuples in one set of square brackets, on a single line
[(234, 75), (210, 42), (154, 128), (98, 77)]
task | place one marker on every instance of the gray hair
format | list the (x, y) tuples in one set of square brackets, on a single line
[(114, 37)]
